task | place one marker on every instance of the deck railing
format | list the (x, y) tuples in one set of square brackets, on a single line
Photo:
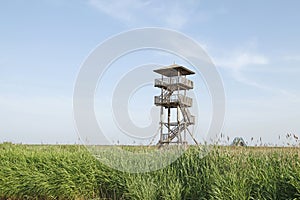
[(181, 81), (175, 98)]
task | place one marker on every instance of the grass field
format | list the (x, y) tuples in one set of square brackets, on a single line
[(70, 172)]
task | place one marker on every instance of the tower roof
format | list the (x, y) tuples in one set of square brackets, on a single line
[(173, 70)]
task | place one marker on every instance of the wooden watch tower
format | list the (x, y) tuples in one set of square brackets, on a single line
[(174, 85)]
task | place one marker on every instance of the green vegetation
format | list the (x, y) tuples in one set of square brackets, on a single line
[(70, 172)]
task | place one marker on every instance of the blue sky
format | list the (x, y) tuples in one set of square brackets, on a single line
[(255, 45)]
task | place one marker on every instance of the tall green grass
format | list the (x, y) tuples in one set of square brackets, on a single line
[(70, 172)]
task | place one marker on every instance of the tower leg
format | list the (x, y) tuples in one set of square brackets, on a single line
[(161, 123), (169, 125)]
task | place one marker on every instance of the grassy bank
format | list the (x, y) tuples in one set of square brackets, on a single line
[(70, 172)]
